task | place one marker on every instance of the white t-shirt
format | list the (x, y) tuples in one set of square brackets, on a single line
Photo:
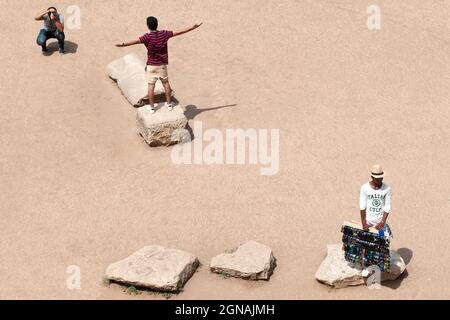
[(376, 202)]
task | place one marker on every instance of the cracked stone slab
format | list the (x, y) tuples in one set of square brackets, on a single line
[(154, 267), (250, 261), (164, 127), (336, 272), (129, 73)]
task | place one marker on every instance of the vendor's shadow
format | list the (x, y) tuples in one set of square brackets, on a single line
[(69, 47), (407, 255), (192, 111)]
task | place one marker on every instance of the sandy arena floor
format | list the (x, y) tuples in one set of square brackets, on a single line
[(79, 187)]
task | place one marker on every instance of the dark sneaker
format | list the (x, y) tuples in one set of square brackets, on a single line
[(62, 51)]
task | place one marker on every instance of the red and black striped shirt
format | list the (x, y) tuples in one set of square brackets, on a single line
[(156, 43)]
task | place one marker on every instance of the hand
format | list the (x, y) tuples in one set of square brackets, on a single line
[(365, 226), (380, 225), (120, 45), (197, 25)]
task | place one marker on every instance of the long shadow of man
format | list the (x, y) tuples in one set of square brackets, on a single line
[(193, 111)]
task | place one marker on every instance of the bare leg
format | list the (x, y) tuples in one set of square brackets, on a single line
[(168, 91), (151, 95)]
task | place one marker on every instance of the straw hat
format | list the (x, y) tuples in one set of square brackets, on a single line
[(377, 171)]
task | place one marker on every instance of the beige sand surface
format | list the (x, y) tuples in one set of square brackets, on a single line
[(79, 187)]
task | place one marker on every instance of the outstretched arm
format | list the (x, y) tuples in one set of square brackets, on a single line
[(126, 44), (195, 26)]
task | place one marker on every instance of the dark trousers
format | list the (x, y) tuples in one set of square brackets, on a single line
[(44, 35)]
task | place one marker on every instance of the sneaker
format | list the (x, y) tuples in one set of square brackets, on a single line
[(62, 51), (169, 106), (150, 108), (44, 50)]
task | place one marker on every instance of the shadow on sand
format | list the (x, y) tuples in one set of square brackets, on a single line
[(407, 255), (69, 47), (192, 111)]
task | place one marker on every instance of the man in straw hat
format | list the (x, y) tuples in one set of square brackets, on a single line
[(375, 202)]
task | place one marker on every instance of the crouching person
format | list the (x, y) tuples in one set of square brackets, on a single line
[(52, 27)]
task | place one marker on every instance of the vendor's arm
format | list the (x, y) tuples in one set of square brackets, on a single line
[(129, 43), (364, 224), (362, 207), (383, 221), (386, 210)]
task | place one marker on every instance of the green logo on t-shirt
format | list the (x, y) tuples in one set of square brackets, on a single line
[(376, 202)]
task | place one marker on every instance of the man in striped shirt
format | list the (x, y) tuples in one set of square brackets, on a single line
[(158, 58)]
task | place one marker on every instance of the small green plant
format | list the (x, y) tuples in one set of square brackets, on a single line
[(224, 275), (167, 295), (131, 291)]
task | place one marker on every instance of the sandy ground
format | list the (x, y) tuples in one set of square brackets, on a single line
[(79, 187)]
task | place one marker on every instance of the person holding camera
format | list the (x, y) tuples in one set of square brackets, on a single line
[(52, 27)]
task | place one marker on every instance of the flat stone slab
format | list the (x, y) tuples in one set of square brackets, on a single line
[(336, 272), (250, 261), (161, 128), (129, 73), (154, 267)]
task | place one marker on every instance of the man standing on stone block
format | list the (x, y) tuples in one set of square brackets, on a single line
[(375, 202), (158, 58), (52, 27)]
